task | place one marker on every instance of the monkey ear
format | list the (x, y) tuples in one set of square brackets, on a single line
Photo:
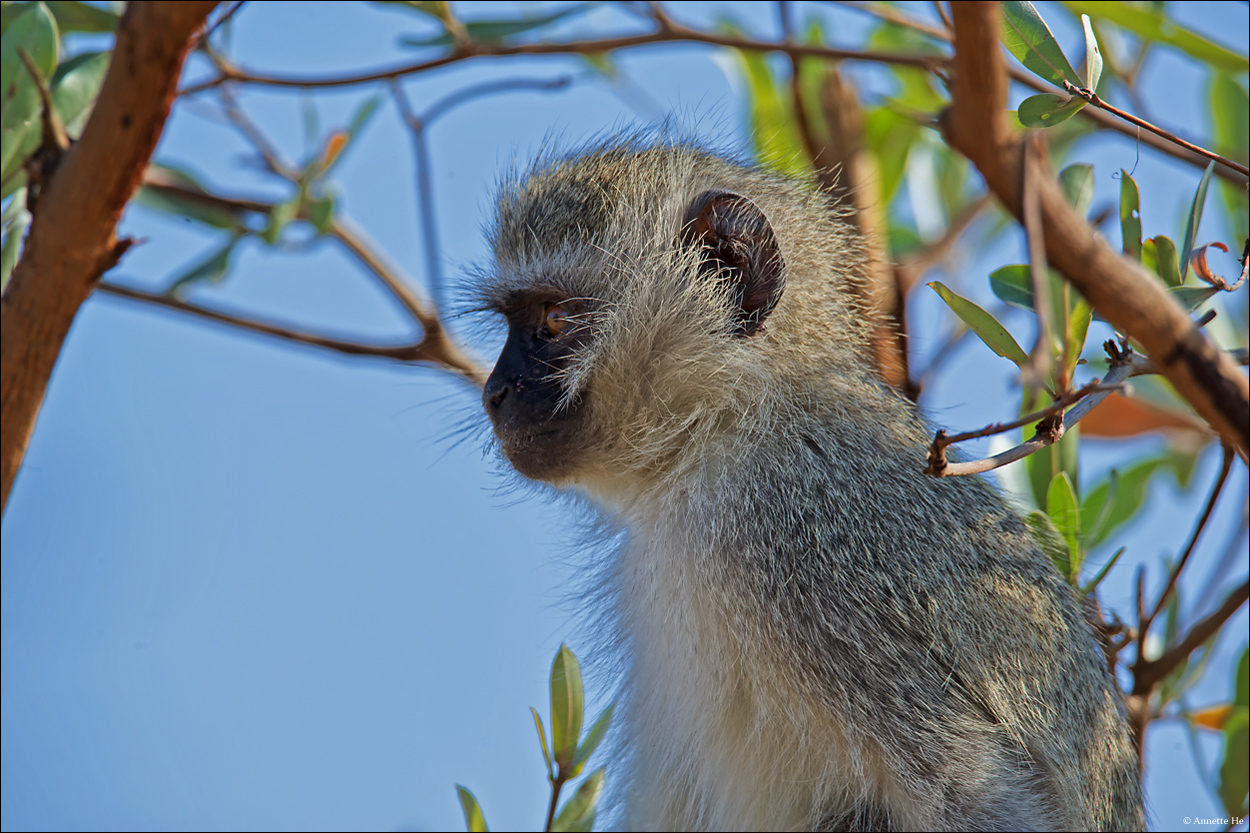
[(738, 244)]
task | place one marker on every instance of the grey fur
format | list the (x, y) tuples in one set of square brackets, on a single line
[(815, 635)]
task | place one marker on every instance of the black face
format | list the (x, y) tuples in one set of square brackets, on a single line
[(524, 396)]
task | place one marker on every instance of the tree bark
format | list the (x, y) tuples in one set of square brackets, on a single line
[(1135, 302), (72, 239)]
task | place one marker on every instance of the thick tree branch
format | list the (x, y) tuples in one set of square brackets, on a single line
[(1120, 290), (72, 239)]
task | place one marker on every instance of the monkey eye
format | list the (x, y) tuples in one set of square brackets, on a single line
[(558, 320)]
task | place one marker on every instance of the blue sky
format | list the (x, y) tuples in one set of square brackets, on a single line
[(247, 585)]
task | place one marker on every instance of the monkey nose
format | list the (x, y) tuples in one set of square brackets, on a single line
[(494, 398)]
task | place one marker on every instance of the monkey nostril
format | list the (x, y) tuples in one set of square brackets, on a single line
[(496, 397)]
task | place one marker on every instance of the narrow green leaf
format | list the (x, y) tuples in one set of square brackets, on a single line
[(566, 707), (1080, 314), (1014, 284), (1192, 297), (1229, 106), (1047, 109), (14, 235), (774, 137), (1130, 217), (1096, 510), (1093, 55), (986, 326), (1194, 219), (1153, 25), (321, 213), (593, 737), (212, 269), (1235, 769), (82, 17), (34, 30), (1063, 510), (1029, 39), (1102, 573), (1049, 541), (1077, 182), (1166, 263), (1117, 500), (542, 741), (279, 217), (76, 86), (890, 137), (473, 818), (1241, 683), (578, 813)]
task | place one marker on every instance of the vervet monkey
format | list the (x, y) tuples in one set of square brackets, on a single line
[(816, 636)]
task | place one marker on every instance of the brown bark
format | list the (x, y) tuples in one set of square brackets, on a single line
[(1137, 304), (72, 240)]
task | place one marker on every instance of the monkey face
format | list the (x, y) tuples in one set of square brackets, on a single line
[(540, 427)]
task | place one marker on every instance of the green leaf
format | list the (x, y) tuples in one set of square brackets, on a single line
[(776, 142), (14, 234), (171, 201), (890, 136), (1153, 25), (1194, 218), (1014, 284), (1192, 297), (473, 818), (1102, 573), (1166, 263), (1027, 37), (321, 213), (1093, 55), (578, 812), (1229, 106), (986, 326), (491, 32), (82, 17), (1077, 182), (1080, 314), (1064, 456), (593, 738), (212, 269), (1116, 500), (282, 214), (566, 707), (542, 741), (1047, 109), (1061, 506), (76, 86), (1050, 541), (1130, 217), (35, 31), (1241, 683), (1235, 769)]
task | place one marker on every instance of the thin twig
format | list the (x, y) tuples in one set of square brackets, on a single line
[(1126, 366), (892, 16), (403, 352), (1066, 400), (252, 132), (1148, 673), (1039, 365), (1170, 587), (946, 18), (209, 29), (672, 33), (53, 135), (1092, 98), (912, 267)]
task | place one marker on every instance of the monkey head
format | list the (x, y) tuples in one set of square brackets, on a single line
[(641, 288)]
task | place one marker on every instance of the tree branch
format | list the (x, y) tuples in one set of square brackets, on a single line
[(1135, 303), (72, 239), (668, 34)]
